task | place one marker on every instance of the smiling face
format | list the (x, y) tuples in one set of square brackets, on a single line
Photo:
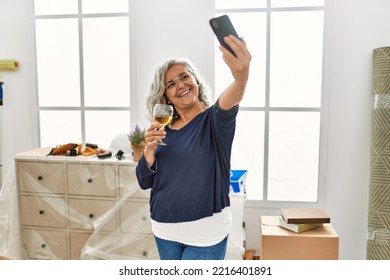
[(181, 88)]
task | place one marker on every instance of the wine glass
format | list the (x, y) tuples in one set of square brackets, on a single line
[(163, 114)]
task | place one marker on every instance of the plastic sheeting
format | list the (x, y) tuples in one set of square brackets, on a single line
[(82, 208), (10, 239)]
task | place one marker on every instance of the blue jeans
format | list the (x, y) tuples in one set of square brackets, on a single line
[(172, 250)]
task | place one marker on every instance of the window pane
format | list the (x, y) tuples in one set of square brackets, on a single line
[(252, 27), (296, 59), (101, 127), (55, 7), (106, 61), (58, 62), (230, 4), (296, 3), (248, 150), (59, 127), (105, 6), (293, 156)]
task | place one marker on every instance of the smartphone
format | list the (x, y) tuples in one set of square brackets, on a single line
[(222, 27), (104, 155)]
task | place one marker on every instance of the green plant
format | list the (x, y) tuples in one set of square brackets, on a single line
[(137, 136)]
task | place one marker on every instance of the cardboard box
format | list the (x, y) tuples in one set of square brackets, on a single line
[(277, 243)]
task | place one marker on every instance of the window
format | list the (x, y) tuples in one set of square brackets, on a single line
[(81, 99), (281, 120)]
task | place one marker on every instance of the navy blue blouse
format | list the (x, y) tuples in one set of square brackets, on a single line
[(190, 177)]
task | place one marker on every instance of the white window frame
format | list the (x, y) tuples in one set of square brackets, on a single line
[(82, 108), (323, 109)]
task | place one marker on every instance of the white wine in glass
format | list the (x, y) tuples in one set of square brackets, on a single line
[(163, 114)]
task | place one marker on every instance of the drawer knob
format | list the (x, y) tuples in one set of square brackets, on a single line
[(89, 180), (91, 215), (43, 246), (40, 177), (144, 253), (41, 212)]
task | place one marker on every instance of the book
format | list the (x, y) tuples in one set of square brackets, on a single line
[(304, 215), (298, 228)]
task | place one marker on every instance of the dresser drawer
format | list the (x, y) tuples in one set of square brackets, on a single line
[(41, 177), (100, 246), (77, 242), (139, 246), (43, 211), (84, 212), (91, 179), (44, 244), (135, 217), (128, 184)]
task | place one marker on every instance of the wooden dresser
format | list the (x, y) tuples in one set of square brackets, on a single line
[(89, 208), (68, 202)]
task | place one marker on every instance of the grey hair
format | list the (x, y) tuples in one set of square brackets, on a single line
[(156, 92)]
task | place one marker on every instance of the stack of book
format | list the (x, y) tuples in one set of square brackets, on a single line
[(302, 219)]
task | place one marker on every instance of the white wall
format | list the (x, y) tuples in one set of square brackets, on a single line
[(155, 22), (357, 28), (19, 89)]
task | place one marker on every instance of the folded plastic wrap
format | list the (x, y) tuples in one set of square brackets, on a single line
[(133, 240), (79, 208)]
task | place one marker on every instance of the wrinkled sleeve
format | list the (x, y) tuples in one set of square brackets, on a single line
[(145, 174), (226, 118)]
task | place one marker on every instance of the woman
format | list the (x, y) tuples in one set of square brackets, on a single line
[(190, 176)]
